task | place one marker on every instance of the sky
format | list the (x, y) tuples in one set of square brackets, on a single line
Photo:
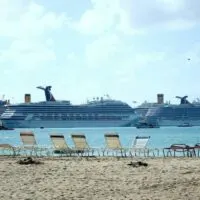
[(129, 49)]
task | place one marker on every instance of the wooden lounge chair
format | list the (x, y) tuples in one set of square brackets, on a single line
[(60, 145), (81, 145), (181, 149), (139, 146), (30, 146), (113, 144)]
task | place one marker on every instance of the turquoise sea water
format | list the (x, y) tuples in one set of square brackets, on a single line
[(159, 137)]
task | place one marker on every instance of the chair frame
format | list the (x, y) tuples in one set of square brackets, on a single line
[(114, 149), (30, 146), (137, 150), (13, 150), (197, 147), (186, 150), (82, 148), (62, 150)]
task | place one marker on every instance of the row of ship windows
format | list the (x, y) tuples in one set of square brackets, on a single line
[(64, 109), (67, 115), (73, 111), (176, 117), (172, 115), (74, 117), (70, 106), (189, 113), (174, 112), (83, 118)]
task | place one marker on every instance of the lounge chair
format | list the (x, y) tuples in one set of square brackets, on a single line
[(81, 145), (29, 144), (197, 147), (7, 149), (113, 144), (60, 146), (183, 149), (139, 146)]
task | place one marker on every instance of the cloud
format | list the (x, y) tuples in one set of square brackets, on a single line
[(102, 50), (31, 20), (27, 55), (27, 29), (145, 14), (99, 19), (115, 45), (128, 68), (71, 56), (112, 24), (110, 51), (150, 57), (137, 17)]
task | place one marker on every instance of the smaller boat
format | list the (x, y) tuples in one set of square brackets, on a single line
[(3, 128), (185, 125), (146, 125)]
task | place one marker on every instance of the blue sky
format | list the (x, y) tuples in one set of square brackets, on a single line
[(128, 49)]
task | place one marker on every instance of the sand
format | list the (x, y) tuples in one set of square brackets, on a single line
[(100, 178)]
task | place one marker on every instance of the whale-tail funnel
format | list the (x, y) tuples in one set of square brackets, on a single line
[(183, 100), (48, 94)]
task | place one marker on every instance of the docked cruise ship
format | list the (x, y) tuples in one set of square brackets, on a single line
[(52, 113), (3, 104), (184, 114), (143, 108)]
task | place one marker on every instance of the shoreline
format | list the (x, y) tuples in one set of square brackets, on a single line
[(100, 178)]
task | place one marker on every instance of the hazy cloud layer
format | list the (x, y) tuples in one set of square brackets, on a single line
[(100, 46)]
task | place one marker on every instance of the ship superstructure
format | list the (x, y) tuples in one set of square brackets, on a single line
[(3, 104), (62, 114), (175, 115)]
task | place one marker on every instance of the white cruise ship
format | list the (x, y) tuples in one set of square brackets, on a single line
[(62, 114)]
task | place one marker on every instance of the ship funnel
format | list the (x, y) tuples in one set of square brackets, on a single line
[(160, 98), (27, 98), (48, 94), (183, 100)]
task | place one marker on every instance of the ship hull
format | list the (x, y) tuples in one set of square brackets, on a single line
[(178, 122), (185, 115), (64, 124)]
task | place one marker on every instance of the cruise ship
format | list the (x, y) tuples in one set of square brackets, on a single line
[(185, 114), (143, 108), (3, 104), (101, 112)]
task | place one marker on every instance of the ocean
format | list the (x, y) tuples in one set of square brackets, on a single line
[(159, 137)]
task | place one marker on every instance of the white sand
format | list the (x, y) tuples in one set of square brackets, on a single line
[(100, 178)]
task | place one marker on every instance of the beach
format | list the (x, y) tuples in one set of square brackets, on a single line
[(100, 178)]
